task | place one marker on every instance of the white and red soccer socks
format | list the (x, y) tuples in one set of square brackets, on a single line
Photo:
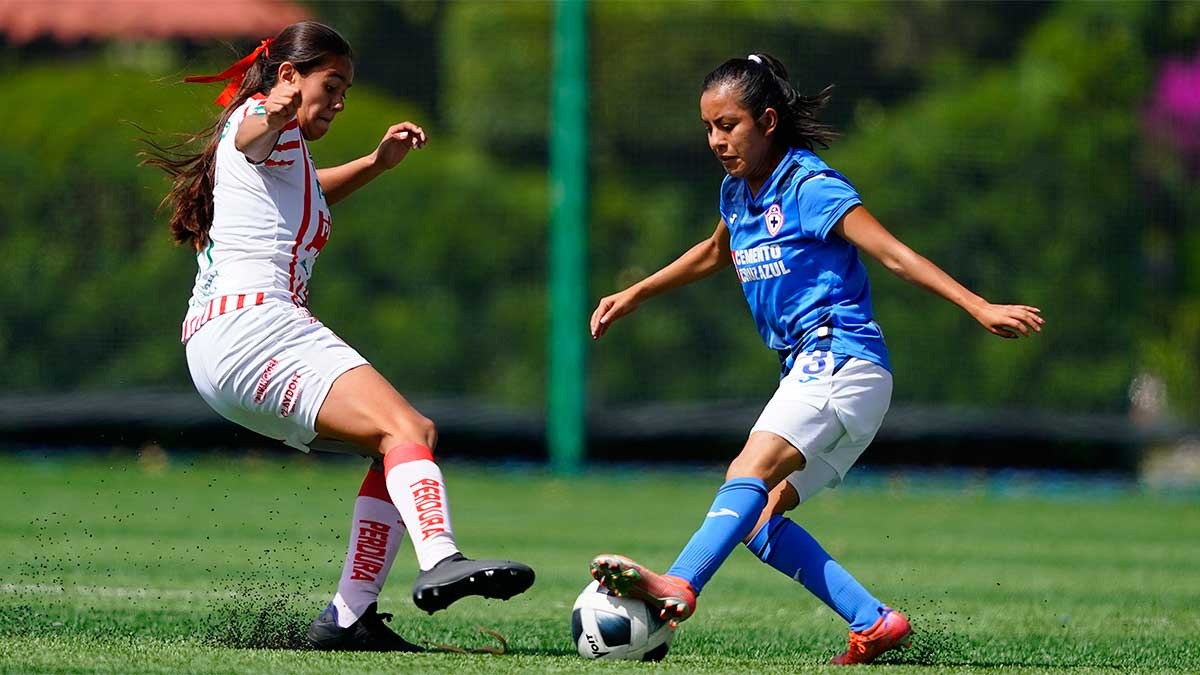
[(415, 484), (375, 536)]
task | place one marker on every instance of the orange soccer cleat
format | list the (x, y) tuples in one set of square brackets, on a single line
[(890, 631), (673, 596)]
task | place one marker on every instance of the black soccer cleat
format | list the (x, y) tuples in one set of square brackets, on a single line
[(368, 634), (457, 576)]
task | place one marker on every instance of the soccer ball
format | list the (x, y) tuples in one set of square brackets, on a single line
[(605, 626)]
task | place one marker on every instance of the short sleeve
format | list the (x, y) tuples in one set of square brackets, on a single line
[(822, 201), (248, 108)]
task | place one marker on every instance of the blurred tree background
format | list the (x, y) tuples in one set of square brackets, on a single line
[(1042, 153)]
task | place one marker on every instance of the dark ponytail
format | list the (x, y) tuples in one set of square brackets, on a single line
[(762, 82), (306, 45)]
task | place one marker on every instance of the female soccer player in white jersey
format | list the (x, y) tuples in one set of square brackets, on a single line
[(792, 227), (256, 211)]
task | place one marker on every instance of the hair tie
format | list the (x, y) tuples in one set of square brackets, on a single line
[(755, 58), (235, 74)]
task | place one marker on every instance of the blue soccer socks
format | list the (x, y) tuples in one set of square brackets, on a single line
[(790, 549), (733, 514)]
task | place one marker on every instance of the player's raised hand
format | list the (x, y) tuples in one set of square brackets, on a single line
[(399, 139), (1010, 321), (611, 308), (282, 103)]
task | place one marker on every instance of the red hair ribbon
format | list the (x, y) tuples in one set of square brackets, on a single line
[(235, 74)]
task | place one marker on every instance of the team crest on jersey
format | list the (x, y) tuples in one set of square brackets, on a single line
[(774, 220)]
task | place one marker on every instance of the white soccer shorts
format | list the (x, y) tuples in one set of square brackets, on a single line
[(829, 417), (269, 369)]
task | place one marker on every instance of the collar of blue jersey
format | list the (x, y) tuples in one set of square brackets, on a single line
[(782, 172)]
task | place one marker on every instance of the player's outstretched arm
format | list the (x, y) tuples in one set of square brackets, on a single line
[(339, 181), (860, 228), (698, 262)]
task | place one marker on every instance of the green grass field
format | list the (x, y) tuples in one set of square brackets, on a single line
[(216, 564)]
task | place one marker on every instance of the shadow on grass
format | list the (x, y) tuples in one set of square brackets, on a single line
[(936, 647), (552, 651), (276, 624)]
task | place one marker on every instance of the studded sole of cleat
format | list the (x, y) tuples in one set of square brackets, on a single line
[(497, 583), (615, 579), (623, 579)]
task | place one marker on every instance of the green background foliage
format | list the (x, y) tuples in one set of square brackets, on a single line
[(1003, 141)]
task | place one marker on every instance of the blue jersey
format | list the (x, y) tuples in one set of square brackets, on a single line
[(807, 289)]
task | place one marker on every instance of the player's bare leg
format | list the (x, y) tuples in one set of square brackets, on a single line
[(767, 457), (781, 499)]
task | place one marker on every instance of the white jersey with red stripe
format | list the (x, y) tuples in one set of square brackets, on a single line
[(270, 222)]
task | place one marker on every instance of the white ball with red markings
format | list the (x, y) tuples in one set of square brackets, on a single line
[(605, 626)]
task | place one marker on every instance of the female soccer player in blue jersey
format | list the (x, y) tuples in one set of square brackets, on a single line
[(792, 227)]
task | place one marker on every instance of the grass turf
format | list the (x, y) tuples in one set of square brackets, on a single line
[(216, 564)]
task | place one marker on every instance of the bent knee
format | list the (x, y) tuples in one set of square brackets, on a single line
[(413, 428), (782, 499), (770, 469), (766, 456)]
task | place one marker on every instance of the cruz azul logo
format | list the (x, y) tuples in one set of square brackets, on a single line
[(774, 220)]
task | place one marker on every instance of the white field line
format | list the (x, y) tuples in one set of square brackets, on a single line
[(128, 593)]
